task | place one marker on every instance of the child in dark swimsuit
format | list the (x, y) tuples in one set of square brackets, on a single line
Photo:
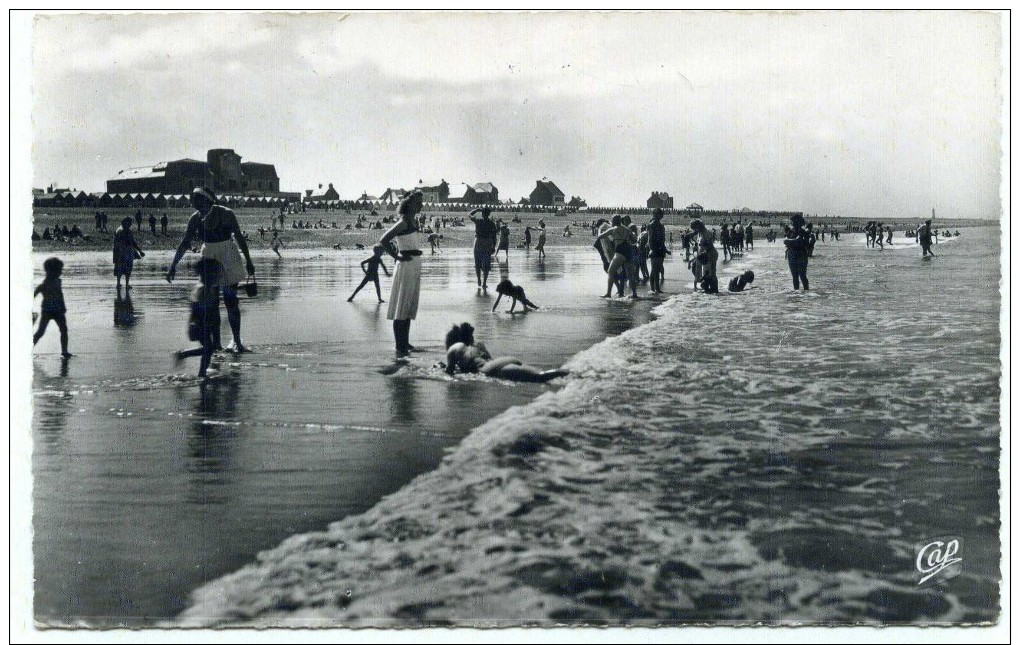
[(740, 282), (53, 307), (204, 322), (371, 267), (515, 292)]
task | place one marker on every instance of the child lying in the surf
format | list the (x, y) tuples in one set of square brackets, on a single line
[(740, 282), (462, 352), (516, 292)]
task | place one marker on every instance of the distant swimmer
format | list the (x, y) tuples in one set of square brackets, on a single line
[(371, 266), (740, 282), (797, 245), (463, 353)]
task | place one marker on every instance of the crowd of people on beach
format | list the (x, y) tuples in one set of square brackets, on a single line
[(632, 254)]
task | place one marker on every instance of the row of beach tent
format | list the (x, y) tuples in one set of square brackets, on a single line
[(146, 200)]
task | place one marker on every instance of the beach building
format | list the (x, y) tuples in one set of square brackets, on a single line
[(434, 191), (223, 170), (485, 193), (546, 193), (660, 200), (392, 195), (695, 207), (577, 202), (321, 194), (460, 193)]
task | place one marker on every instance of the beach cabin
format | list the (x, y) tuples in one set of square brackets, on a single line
[(695, 207), (546, 193)]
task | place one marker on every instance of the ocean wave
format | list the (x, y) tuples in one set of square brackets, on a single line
[(687, 471)]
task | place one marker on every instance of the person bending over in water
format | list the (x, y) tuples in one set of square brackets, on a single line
[(707, 257), (514, 292), (740, 282), (204, 322), (462, 352)]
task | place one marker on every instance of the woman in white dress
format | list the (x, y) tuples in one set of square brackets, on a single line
[(402, 243)]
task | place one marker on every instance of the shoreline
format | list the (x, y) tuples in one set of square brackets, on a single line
[(453, 236)]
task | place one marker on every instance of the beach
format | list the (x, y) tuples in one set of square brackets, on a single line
[(149, 484), (765, 456)]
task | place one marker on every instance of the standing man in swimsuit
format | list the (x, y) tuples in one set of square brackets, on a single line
[(217, 228)]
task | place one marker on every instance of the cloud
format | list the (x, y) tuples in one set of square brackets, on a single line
[(822, 112)]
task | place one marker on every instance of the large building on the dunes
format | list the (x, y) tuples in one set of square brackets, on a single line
[(223, 171)]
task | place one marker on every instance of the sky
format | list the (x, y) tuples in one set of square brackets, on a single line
[(863, 113)]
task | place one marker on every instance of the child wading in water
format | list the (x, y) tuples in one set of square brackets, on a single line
[(371, 268), (53, 307), (204, 322), (125, 252)]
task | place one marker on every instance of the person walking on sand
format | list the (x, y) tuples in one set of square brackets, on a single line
[(125, 251), (152, 224), (164, 221), (401, 242), (797, 251), (371, 266), (53, 307), (485, 244), (138, 220), (527, 238), (217, 228)]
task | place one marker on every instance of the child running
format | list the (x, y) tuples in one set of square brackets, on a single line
[(204, 321), (53, 307), (371, 266), (277, 243)]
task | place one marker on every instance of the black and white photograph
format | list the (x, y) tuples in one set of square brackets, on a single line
[(503, 319)]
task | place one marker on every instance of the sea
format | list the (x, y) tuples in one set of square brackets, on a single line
[(770, 456)]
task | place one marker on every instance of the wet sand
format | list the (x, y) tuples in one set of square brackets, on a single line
[(148, 485)]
